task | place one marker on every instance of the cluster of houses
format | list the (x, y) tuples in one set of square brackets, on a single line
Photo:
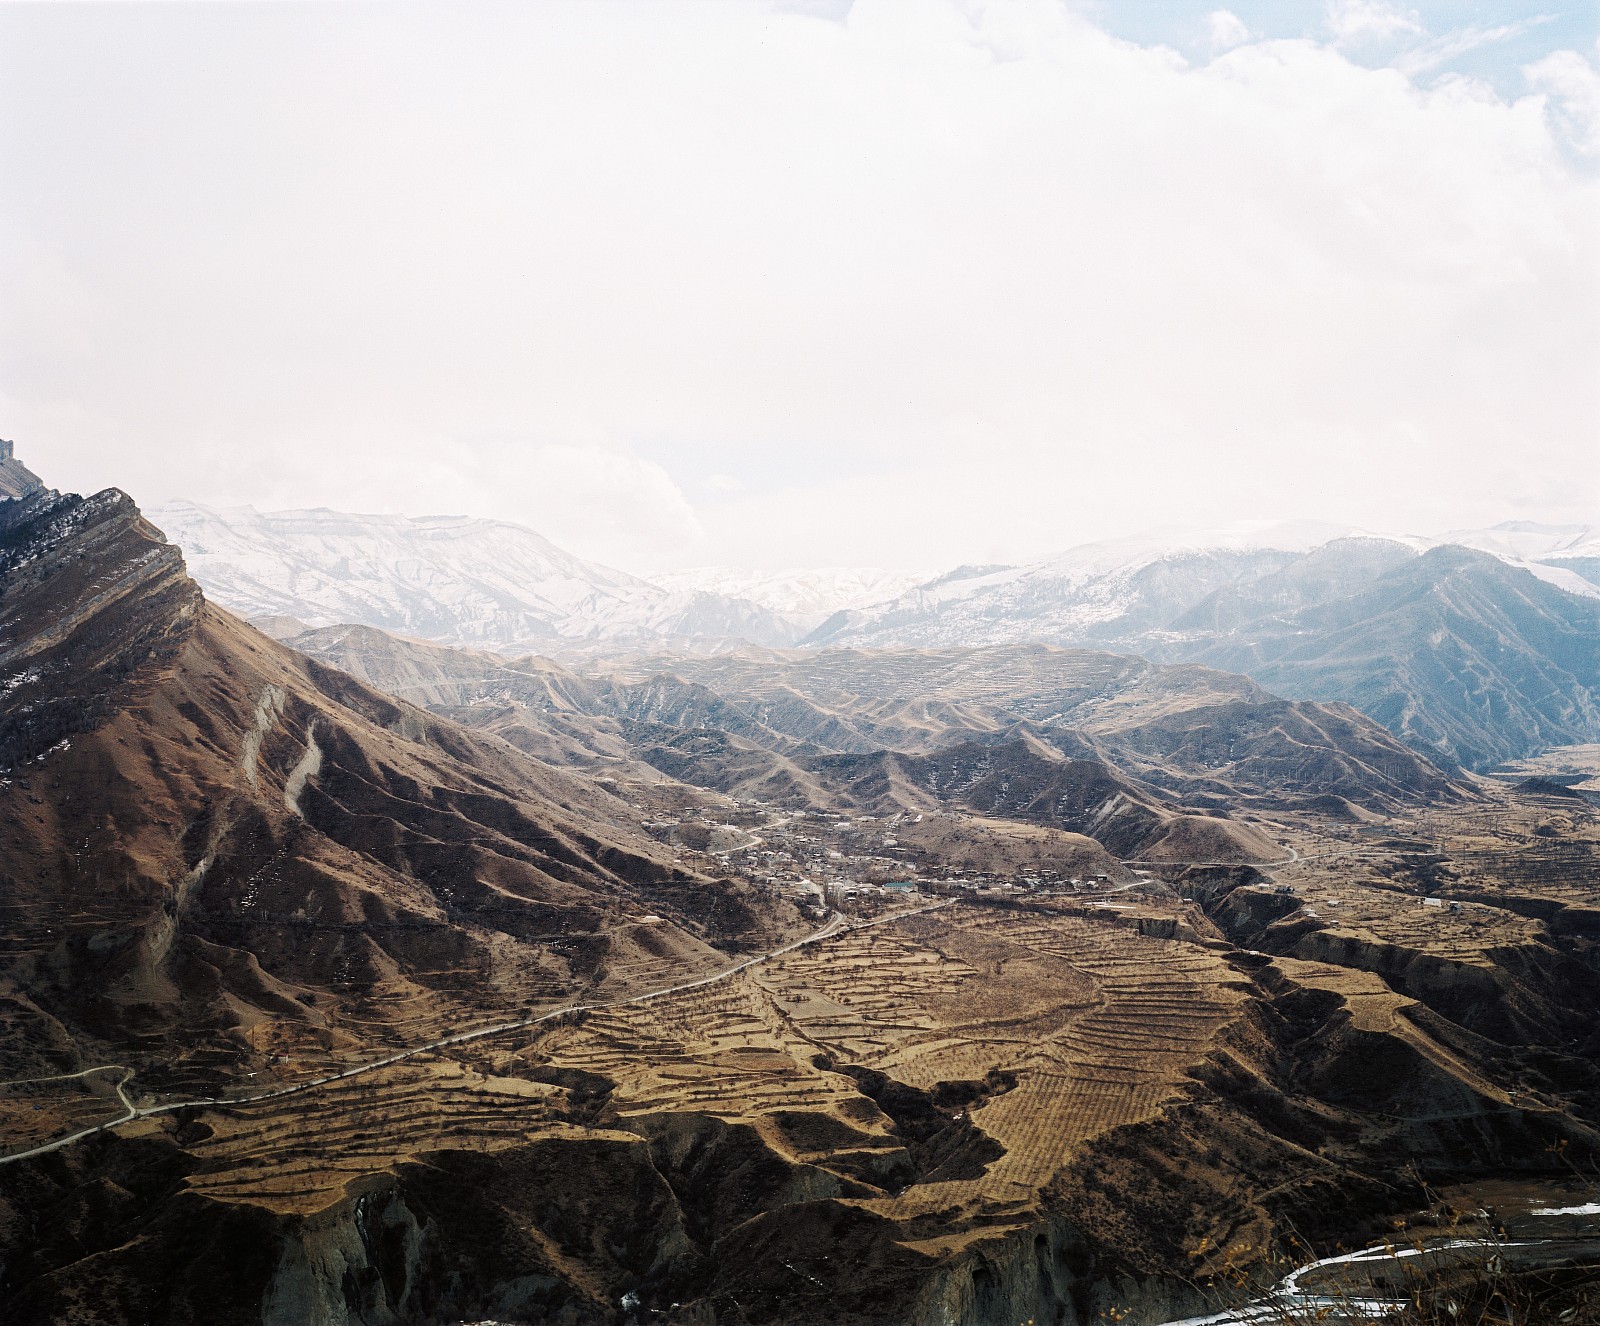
[(827, 860)]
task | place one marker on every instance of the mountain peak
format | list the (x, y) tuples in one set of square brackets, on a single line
[(16, 479)]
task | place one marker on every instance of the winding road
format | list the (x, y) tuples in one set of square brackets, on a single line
[(835, 926)]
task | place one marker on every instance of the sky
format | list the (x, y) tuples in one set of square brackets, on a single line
[(893, 282)]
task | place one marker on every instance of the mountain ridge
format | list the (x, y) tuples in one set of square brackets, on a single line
[(179, 788), (460, 579), (1226, 595)]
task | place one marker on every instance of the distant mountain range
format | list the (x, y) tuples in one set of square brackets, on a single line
[(483, 583), (1456, 652), (1142, 758), (1474, 647), (1138, 591)]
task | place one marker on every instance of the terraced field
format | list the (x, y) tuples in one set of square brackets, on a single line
[(1093, 1022), (298, 1154), (1045, 1029), (1369, 916), (1135, 1014), (34, 1111)]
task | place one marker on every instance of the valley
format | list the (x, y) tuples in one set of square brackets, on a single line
[(800, 663), (1013, 1062), (362, 978)]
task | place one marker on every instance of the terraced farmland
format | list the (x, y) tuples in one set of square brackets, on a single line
[(299, 1153), (1140, 1012), (1044, 1029)]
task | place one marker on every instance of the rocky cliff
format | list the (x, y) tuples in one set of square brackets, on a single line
[(16, 479)]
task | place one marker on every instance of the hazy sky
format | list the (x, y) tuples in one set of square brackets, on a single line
[(902, 282)]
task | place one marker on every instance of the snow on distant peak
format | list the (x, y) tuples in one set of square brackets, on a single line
[(1528, 541), (818, 592), (497, 585), (1553, 573), (459, 580), (1133, 551)]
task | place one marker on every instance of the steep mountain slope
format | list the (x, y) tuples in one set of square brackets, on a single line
[(213, 837), (483, 583)]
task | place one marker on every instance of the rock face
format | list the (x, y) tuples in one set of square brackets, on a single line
[(92, 595), (16, 479)]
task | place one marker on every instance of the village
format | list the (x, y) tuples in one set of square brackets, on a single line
[(858, 864)]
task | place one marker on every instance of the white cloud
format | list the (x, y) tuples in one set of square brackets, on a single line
[(1355, 22), (1225, 30), (1571, 85), (1440, 51), (935, 282)]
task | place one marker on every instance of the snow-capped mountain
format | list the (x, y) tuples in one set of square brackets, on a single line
[(1128, 591), (808, 597), (1476, 646), (485, 583), (1527, 541), (1567, 556), (1095, 591)]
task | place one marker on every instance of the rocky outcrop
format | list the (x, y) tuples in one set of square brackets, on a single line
[(91, 594), (16, 479), (1048, 1273)]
